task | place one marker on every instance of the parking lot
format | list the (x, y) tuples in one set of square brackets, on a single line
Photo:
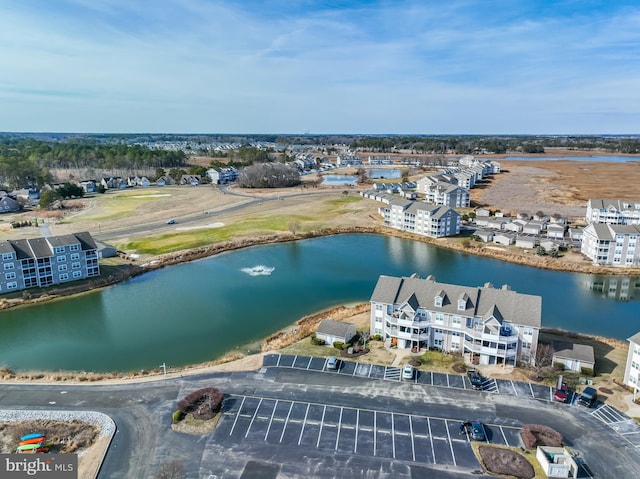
[(391, 373), (354, 431)]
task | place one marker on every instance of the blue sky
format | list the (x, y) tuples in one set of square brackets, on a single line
[(370, 67)]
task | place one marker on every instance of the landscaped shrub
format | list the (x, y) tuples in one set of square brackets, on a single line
[(586, 371), (338, 345), (318, 341), (176, 416), (558, 366), (376, 337), (202, 404), (534, 435)]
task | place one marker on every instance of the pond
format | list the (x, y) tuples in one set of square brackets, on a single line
[(195, 312)]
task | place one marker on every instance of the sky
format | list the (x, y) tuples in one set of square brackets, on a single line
[(320, 67)]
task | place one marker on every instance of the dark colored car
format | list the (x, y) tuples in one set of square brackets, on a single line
[(477, 431), (588, 397), (475, 378)]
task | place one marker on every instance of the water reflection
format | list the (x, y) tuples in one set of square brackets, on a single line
[(619, 288)]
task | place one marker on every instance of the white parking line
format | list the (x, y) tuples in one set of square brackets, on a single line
[(375, 430), (453, 454), (253, 418), (448, 384), (531, 388), (237, 415), (413, 446), (515, 391), (433, 451), (464, 383), (393, 436), (293, 364), (355, 445), (286, 421), (431, 372), (279, 357), (324, 410), (309, 363), (504, 437), (271, 420), (303, 423), (339, 426)]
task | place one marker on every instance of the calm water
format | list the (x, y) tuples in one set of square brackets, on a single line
[(390, 174), (339, 180), (197, 311), (605, 159)]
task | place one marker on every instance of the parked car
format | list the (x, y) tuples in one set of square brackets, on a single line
[(561, 394), (477, 431), (171, 221), (588, 397), (332, 363), (407, 371), (475, 378)]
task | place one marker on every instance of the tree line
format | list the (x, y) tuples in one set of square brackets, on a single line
[(26, 161)]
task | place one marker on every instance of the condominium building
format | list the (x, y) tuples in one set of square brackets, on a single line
[(619, 212), (611, 244), (632, 368), (27, 263), (443, 193), (493, 325), (421, 218)]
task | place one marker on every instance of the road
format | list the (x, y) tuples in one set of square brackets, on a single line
[(245, 201), (286, 422)]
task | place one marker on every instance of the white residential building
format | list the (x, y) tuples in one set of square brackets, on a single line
[(498, 326), (421, 218), (632, 369), (611, 244), (221, 176), (443, 193), (621, 212)]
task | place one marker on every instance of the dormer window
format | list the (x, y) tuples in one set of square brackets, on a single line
[(438, 301), (462, 305)]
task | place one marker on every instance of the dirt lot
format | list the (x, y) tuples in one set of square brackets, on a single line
[(561, 187)]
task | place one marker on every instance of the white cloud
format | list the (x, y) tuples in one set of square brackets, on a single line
[(389, 67)]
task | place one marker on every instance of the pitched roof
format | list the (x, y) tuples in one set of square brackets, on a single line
[(334, 328), (504, 304), (568, 350)]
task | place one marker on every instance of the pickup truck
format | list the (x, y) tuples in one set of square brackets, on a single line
[(588, 397), (475, 378)]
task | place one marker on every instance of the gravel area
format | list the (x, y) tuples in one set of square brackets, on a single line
[(102, 421)]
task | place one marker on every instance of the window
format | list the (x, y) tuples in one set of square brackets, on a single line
[(63, 277), (7, 256), (11, 275), (58, 249), (457, 321), (439, 317), (61, 259), (74, 247), (12, 285), (62, 267), (77, 274), (438, 301), (75, 265), (8, 266)]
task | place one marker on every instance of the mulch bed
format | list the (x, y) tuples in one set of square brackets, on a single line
[(504, 461), (345, 354), (459, 368)]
